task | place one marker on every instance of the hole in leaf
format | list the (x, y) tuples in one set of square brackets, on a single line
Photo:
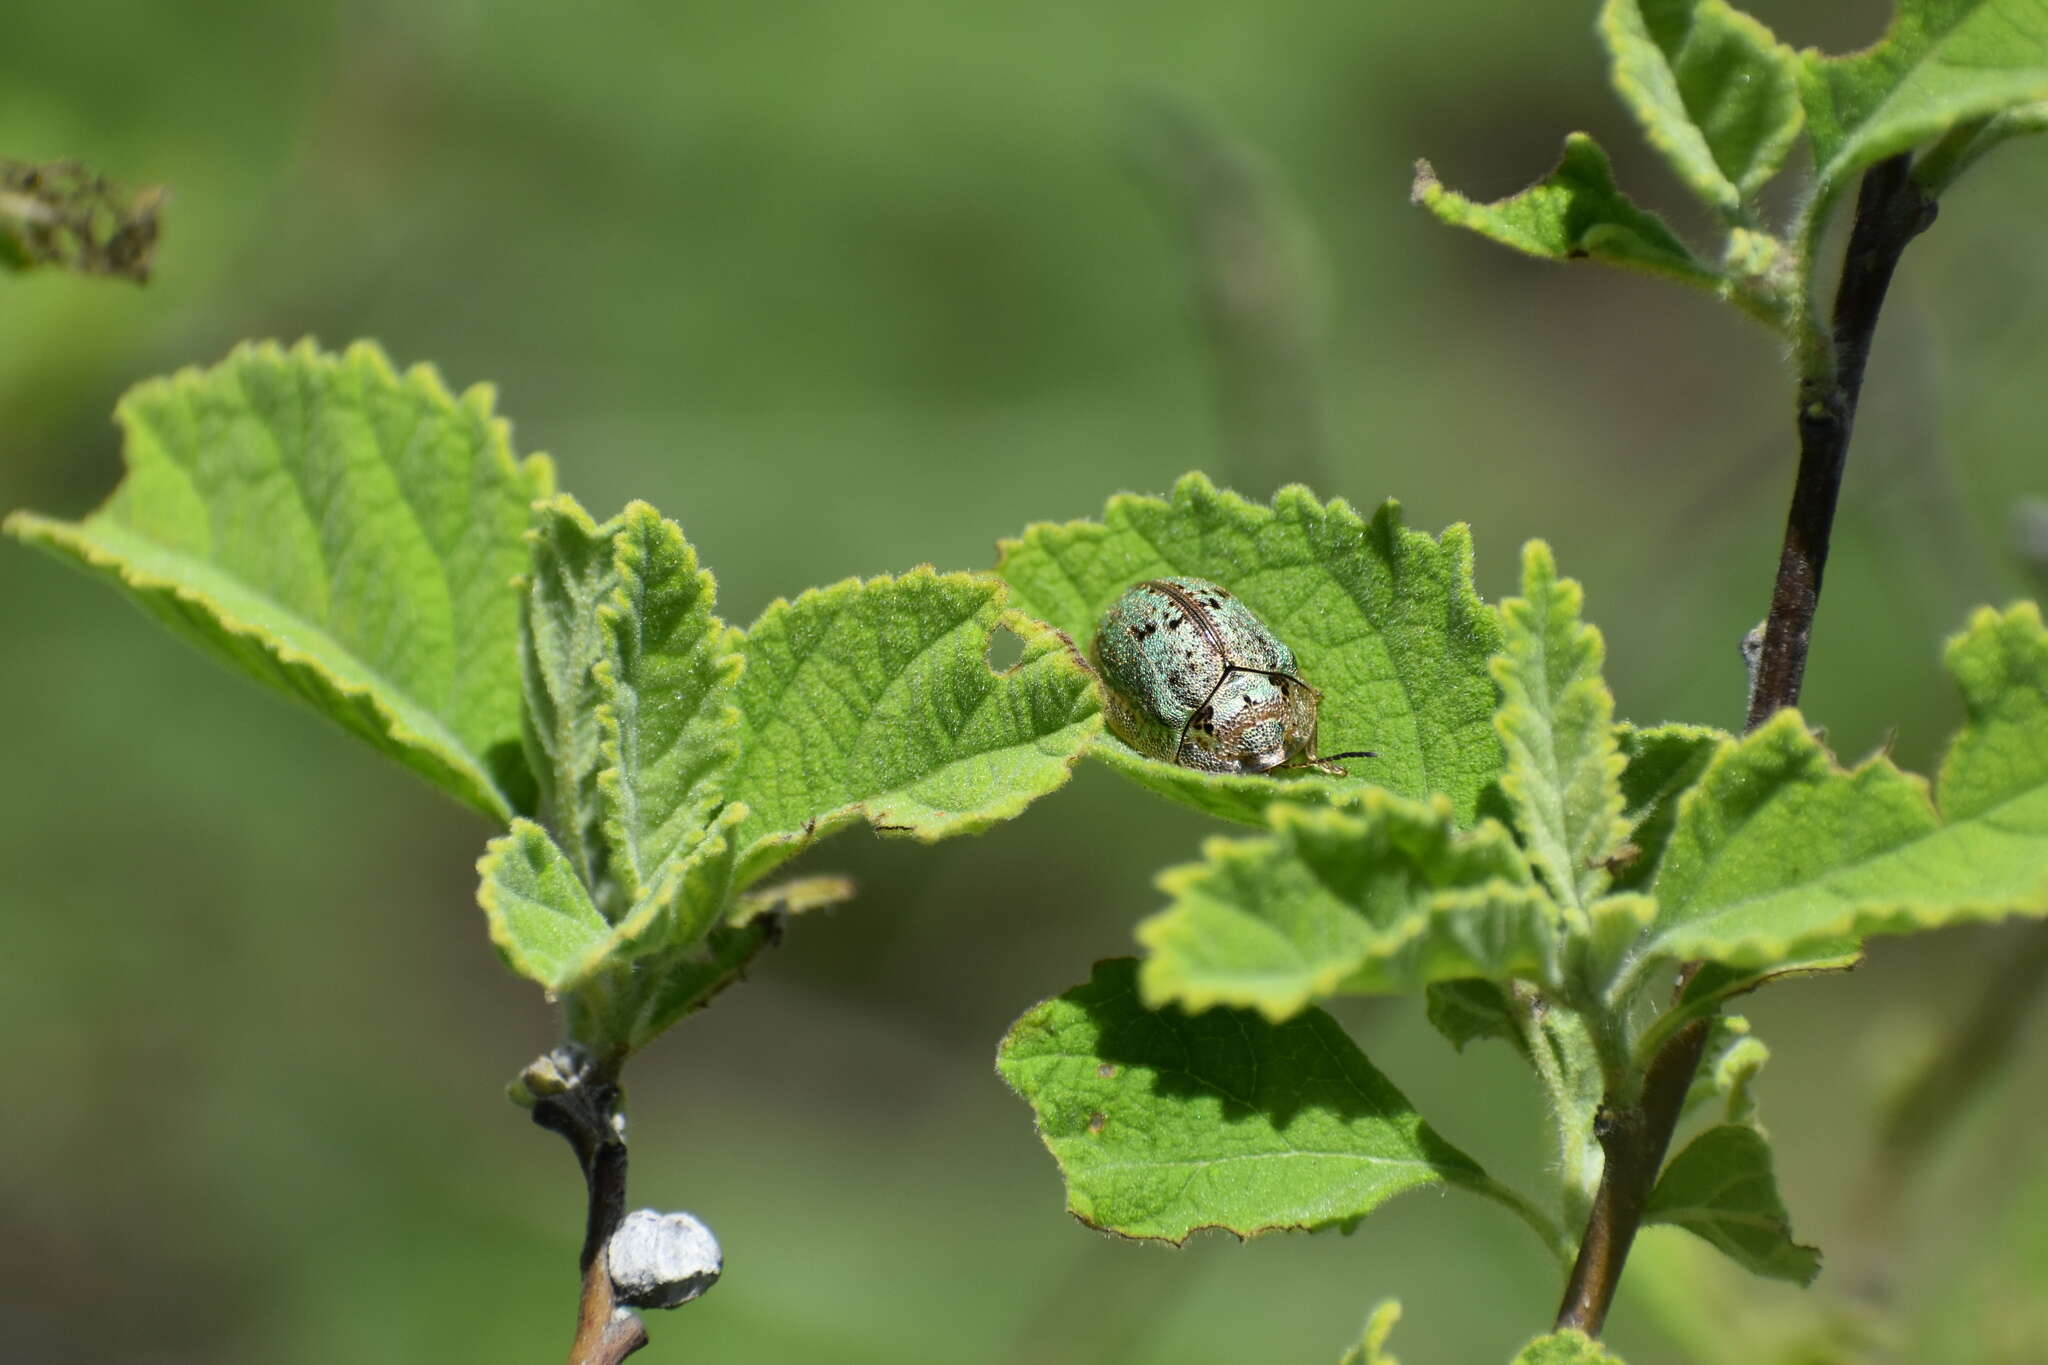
[(1005, 649)]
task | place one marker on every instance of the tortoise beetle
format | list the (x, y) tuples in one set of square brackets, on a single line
[(1190, 676)]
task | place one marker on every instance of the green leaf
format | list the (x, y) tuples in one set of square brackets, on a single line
[(1374, 896), (1730, 1064), (1663, 762), (1779, 855), (1569, 1347), (1382, 618), (1575, 212), (342, 533), (622, 983), (1721, 1188), (1165, 1123), (796, 896), (541, 918), (629, 680), (685, 982), (1372, 1342), (1715, 93), (670, 730), (1966, 143), (875, 700), (671, 953), (561, 644), (1556, 722), (1468, 1010), (1939, 65)]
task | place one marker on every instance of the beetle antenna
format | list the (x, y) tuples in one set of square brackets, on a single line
[(1355, 753)]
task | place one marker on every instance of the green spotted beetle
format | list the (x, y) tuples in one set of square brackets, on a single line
[(1190, 676)]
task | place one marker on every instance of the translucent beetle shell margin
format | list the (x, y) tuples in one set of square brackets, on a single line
[(1192, 677)]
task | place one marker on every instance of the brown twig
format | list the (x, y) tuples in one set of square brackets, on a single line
[(1890, 211), (586, 1112)]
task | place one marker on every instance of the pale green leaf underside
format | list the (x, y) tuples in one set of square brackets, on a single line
[(1556, 722), (1575, 211), (540, 917), (876, 700), (1377, 895), (1778, 853), (671, 732), (1165, 1123), (1569, 1347), (340, 532), (1713, 91), (571, 573), (1381, 618), (630, 679), (1721, 1188), (1940, 64)]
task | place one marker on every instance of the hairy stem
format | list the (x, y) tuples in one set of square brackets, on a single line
[(1891, 209), (587, 1113), (1633, 1140)]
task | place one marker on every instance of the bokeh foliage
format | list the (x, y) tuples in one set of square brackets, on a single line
[(886, 255)]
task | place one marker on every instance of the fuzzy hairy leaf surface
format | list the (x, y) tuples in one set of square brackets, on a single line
[(1779, 855), (1661, 763), (1715, 93), (1556, 722), (1373, 896), (1577, 211), (1382, 618), (340, 532), (541, 918), (1165, 1123), (629, 679), (1941, 63), (549, 929), (1722, 1188), (1569, 1347), (1728, 1069), (670, 952), (875, 700)]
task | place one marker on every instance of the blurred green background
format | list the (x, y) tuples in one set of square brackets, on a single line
[(845, 286)]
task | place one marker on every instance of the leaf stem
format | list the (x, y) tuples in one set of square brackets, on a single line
[(587, 1112), (1891, 210)]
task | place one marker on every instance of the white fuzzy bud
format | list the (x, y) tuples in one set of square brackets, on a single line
[(660, 1260)]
